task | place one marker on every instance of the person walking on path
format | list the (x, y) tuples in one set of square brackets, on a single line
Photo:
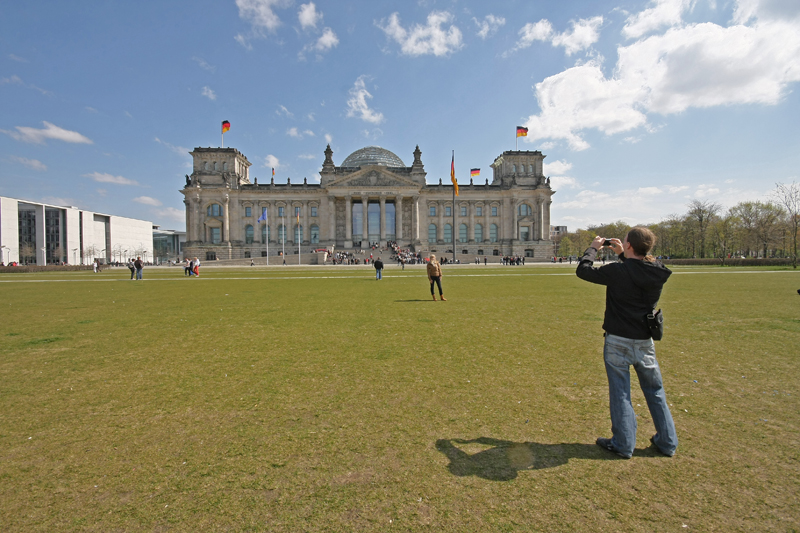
[(378, 264), (138, 265), (132, 268), (435, 276), (196, 267), (187, 268), (633, 287)]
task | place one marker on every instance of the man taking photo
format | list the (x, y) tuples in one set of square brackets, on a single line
[(633, 287)]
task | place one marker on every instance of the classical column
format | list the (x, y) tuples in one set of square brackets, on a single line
[(383, 220), (440, 229), (398, 219), (199, 234), (364, 220), (332, 219), (508, 208), (487, 211), (306, 229), (189, 213), (348, 218), (415, 218), (471, 229), (226, 200), (515, 218)]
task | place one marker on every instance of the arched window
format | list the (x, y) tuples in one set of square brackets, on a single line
[(215, 166), (281, 234), (514, 169), (525, 210), (298, 234), (478, 233), (248, 234), (532, 171), (493, 233), (448, 233), (314, 234), (225, 166), (432, 233), (463, 235), (205, 165), (265, 233), (214, 210)]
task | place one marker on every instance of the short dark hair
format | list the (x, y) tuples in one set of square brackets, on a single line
[(642, 240)]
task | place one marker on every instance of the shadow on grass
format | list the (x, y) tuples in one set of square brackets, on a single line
[(505, 459), (417, 300)]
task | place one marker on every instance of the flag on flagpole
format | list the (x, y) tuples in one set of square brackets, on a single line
[(475, 172), (273, 172), (522, 132), (263, 217), (225, 126), (453, 173)]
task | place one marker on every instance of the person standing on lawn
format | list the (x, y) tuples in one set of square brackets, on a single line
[(435, 276), (138, 265), (633, 287), (378, 264)]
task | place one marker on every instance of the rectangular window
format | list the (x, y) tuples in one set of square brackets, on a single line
[(494, 211), (313, 211), (248, 211), (463, 211), (447, 211), (280, 211), (215, 235), (524, 233), (296, 211), (479, 211), (432, 211)]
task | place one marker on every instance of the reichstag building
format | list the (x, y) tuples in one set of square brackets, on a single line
[(372, 197)]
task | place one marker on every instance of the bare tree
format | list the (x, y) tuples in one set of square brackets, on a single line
[(723, 230), (788, 196), (702, 214)]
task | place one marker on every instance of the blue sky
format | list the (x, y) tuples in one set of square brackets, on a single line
[(639, 106)]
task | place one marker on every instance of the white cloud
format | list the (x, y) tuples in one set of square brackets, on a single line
[(282, 111), (204, 64), (309, 133), (705, 190), (18, 59), (556, 168), (489, 25), (90, 109), (424, 40), (663, 13), (357, 105), (209, 93), (292, 132), (679, 188), (585, 32), (649, 191), (108, 178), (307, 156), (326, 41), (272, 162), (16, 80), (695, 65), (260, 13), (171, 213), (50, 131), (241, 39), (560, 182), (146, 200), (310, 117), (33, 164), (328, 138), (177, 149), (57, 200), (309, 16)]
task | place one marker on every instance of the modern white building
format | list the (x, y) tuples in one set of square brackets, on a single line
[(42, 234)]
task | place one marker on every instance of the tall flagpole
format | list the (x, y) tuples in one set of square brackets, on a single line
[(267, 221), (453, 233), (298, 238), (283, 239)]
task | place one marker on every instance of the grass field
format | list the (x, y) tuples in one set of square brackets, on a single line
[(317, 399)]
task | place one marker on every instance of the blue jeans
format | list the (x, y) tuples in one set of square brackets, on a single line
[(378, 273), (619, 353), (138, 273)]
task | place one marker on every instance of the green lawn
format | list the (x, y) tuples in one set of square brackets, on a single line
[(317, 399)]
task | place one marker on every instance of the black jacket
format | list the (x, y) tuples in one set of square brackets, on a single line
[(378, 264), (633, 288)]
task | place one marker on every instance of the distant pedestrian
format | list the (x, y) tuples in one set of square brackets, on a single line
[(434, 270), (484, 260), (196, 267), (378, 264), (187, 267), (131, 268), (94, 266), (138, 265)]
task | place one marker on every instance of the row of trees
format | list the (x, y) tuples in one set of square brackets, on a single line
[(748, 229)]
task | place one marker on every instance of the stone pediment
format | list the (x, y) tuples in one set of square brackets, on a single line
[(372, 178)]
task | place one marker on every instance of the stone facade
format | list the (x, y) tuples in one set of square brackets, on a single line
[(228, 216)]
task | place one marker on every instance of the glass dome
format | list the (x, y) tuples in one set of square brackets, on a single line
[(372, 155)]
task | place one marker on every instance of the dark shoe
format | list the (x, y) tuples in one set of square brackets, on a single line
[(606, 443), (653, 442)]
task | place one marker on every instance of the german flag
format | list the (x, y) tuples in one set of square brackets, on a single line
[(474, 172), (522, 132), (453, 173), (225, 126)]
